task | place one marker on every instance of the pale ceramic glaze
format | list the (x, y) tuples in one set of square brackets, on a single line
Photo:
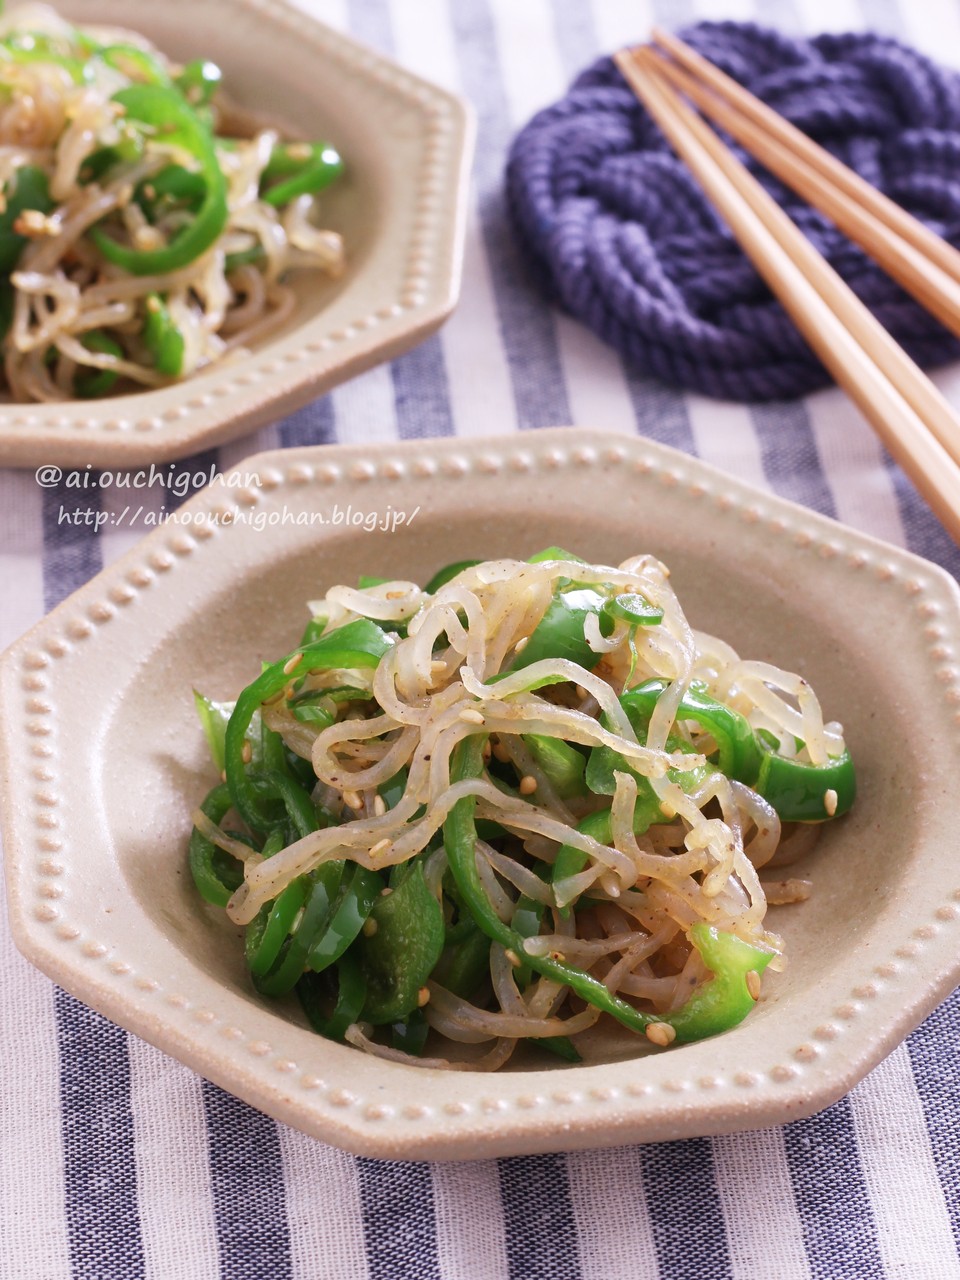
[(103, 760), (400, 208)]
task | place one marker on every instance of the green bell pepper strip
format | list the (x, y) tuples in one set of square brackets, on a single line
[(199, 81), (313, 631), (127, 150), (297, 169), (273, 751), (738, 752), (15, 49), (307, 928), (300, 808), (177, 124), (400, 956), (717, 1005), (213, 719), (136, 64), (357, 644), (173, 187), (559, 633), (352, 994), (392, 790), (308, 710), (340, 693), (571, 860), (162, 338), (91, 383), (410, 1035), (633, 608), (7, 301), (723, 1001), (448, 572), (603, 762), (267, 931), (562, 1046), (244, 258), (562, 764), (27, 188), (554, 553), (361, 889), (526, 920), (797, 790), (215, 873), (463, 966)]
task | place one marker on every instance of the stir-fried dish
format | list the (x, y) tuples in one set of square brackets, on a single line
[(146, 226), (504, 805)]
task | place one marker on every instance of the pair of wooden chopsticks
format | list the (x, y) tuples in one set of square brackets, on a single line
[(918, 426)]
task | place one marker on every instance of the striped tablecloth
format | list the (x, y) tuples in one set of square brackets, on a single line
[(117, 1162)]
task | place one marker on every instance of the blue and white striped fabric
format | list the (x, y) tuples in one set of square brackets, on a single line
[(117, 1163)]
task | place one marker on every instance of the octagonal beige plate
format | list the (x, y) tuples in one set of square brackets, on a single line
[(103, 761), (400, 208)]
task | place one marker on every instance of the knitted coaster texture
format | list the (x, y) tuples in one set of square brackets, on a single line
[(619, 234)]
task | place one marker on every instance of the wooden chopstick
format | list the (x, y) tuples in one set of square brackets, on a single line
[(826, 311), (907, 377), (851, 184), (810, 171)]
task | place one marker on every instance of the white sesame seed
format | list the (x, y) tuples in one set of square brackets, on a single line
[(610, 886), (34, 223), (471, 715), (660, 1033), (830, 799)]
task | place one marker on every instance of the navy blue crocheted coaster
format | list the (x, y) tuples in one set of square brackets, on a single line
[(621, 236)]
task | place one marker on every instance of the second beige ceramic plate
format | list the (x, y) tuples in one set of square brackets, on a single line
[(103, 761), (400, 208)]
